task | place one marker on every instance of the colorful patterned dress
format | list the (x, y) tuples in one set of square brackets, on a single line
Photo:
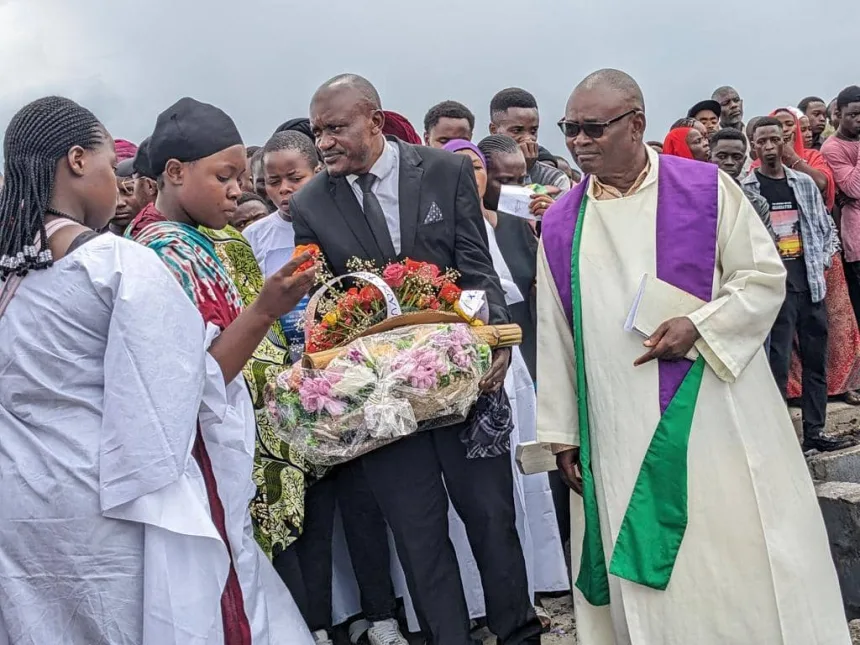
[(218, 272)]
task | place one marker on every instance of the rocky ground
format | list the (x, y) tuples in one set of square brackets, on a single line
[(563, 630)]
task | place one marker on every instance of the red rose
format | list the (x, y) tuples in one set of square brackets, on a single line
[(450, 293), (368, 294), (316, 255), (394, 274), (412, 267), (350, 301), (428, 271), (428, 302)]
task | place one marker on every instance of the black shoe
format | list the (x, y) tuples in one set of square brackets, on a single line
[(824, 443)]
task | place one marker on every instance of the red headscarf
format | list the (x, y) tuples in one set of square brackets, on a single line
[(124, 149), (812, 158), (397, 125), (675, 143)]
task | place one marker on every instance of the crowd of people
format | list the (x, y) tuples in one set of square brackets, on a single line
[(152, 294)]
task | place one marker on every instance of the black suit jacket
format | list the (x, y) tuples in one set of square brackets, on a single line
[(326, 212)]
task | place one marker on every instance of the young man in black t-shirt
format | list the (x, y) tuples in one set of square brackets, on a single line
[(806, 240)]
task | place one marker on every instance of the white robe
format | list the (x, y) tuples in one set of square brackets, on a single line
[(754, 566), (105, 532)]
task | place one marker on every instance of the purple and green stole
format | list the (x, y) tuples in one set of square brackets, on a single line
[(656, 516)]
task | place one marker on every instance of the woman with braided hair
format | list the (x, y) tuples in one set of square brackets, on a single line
[(107, 532)]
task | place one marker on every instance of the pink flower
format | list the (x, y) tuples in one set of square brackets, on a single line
[(315, 396), (458, 342), (421, 367), (428, 272), (394, 274), (461, 358)]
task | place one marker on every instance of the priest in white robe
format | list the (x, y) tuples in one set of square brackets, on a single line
[(697, 521)]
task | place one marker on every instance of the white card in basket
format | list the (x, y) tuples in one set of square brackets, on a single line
[(656, 302)]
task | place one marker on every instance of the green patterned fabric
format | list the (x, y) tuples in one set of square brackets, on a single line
[(278, 508)]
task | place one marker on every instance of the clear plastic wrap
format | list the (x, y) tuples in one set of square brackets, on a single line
[(378, 389)]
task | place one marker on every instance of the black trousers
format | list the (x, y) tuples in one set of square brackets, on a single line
[(852, 277), (306, 566), (407, 479), (801, 318)]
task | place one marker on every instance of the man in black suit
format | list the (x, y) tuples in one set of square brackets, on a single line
[(386, 200)]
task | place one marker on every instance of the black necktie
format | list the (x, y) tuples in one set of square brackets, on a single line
[(376, 217)]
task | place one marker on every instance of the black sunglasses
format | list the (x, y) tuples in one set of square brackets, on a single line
[(593, 130)]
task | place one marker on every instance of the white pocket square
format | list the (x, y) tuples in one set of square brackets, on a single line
[(434, 214)]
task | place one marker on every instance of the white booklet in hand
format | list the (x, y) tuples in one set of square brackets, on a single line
[(515, 200), (656, 302)]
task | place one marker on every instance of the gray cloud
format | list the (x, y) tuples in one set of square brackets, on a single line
[(260, 60)]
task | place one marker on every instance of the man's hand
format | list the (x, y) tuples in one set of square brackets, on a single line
[(540, 204), (283, 290), (570, 470), (530, 150), (495, 378), (671, 342), (789, 155)]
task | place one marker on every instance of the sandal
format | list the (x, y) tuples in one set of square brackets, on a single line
[(544, 618), (852, 398)]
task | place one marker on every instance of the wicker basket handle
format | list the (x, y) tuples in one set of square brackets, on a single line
[(392, 305)]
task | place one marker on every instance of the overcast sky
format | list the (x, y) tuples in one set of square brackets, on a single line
[(260, 60)]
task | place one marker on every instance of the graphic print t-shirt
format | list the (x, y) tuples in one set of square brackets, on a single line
[(785, 219)]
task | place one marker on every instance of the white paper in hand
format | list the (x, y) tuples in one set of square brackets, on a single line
[(515, 200), (656, 302)]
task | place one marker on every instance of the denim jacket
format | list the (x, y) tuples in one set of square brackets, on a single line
[(820, 240)]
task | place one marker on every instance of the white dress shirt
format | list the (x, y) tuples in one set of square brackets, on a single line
[(386, 188)]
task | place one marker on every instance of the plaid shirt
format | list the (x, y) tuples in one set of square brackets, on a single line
[(817, 229)]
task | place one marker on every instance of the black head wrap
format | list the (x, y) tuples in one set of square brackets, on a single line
[(298, 125), (190, 130), (141, 164)]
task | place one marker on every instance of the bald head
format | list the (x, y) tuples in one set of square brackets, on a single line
[(605, 123), (614, 81), (358, 85), (347, 121), (731, 105), (720, 92)]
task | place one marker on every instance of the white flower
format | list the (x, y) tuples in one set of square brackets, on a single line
[(354, 379)]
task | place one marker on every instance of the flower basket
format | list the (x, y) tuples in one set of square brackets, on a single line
[(493, 335), (379, 388), (396, 353)]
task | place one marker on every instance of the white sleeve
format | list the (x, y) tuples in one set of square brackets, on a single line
[(557, 420), (154, 368), (735, 324)]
